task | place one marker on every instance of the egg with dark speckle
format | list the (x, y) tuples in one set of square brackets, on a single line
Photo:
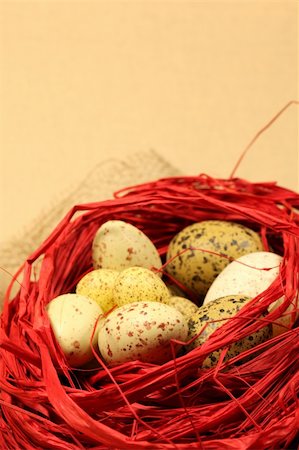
[(246, 276), (203, 245), (138, 284), (98, 285), (217, 311), (141, 331)]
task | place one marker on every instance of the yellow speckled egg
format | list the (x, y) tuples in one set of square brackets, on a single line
[(141, 331), (221, 308), (182, 304), (72, 319), (118, 245), (197, 269), (98, 285), (137, 284)]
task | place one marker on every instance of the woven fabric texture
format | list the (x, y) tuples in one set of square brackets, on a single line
[(99, 184)]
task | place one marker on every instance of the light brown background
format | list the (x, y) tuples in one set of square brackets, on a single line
[(85, 81)]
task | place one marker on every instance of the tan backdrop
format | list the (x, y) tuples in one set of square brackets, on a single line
[(85, 81)]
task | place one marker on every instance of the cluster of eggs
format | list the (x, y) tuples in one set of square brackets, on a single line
[(125, 307)]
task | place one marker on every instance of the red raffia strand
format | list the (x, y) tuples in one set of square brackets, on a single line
[(138, 405), (260, 132), (247, 402)]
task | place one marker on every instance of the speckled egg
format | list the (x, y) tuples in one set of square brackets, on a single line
[(141, 331), (98, 285), (72, 319), (137, 284), (197, 269), (118, 245), (239, 278), (219, 309), (182, 304)]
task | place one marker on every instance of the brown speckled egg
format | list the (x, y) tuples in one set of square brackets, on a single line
[(118, 245), (98, 285), (137, 284), (224, 307), (141, 331), (72, 319), (182, 304), (197, 269)]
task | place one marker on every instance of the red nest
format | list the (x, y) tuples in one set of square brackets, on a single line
[(244, 403)]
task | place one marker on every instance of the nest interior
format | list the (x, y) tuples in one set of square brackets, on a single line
[(244, 403)]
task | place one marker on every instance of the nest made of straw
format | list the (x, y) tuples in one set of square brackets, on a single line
[(244, 403)]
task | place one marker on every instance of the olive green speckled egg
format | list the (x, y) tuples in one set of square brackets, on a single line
[(197, 269), (224, 307)]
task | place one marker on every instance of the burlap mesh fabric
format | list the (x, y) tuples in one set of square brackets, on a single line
[(98, 185)]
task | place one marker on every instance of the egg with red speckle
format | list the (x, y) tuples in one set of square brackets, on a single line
[(118, 245), (72, 318), (141, 331)]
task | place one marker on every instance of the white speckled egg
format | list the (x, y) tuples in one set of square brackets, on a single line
[(118, 245), (141, 331), (182, 304), (98, 285), (72, 319), (197, 269), (238, 278), (137, 284), (218, 309)]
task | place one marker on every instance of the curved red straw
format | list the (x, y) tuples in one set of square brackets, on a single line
[(259, 133)]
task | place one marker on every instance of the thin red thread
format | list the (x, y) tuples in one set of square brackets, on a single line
[(34, 383), (259, 133)]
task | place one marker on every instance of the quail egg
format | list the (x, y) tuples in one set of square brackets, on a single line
[(139, 284), (216, 311), (203, 244), (141, 331), (118, 245)]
